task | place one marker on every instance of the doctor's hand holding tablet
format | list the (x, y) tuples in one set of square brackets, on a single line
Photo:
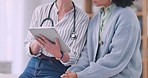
[(53, 48), (48, 39)]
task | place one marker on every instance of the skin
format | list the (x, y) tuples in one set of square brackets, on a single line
[(104, 3), (63, 6)]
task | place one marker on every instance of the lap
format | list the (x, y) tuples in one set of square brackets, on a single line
[(39, 68)]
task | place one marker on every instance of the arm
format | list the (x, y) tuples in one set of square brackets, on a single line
[(78, 44), (82, 63), (113, 63), (31, 46), (76, 47), (54, 49)]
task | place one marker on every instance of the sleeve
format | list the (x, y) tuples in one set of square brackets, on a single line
[(82, 62), (125, 42), (29, 38), (79, 43)]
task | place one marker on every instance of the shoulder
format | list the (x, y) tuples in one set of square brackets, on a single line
[(43, 7), (126, 17), (93, 24), (94, 19), (81, 13), (125, 12)]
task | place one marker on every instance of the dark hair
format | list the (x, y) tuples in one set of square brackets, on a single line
[(123, 3)]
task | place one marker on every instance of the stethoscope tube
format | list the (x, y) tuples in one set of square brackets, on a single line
[(74, 16), (73, 34), (48, 18), (45, 20)]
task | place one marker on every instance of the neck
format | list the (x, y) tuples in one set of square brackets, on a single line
[(105, 6), (64, 6)]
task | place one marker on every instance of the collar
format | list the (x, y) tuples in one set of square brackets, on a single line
[(56, 9), (108, 9)]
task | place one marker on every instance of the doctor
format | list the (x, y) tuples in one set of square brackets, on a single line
[(113, 44), (71, 24)]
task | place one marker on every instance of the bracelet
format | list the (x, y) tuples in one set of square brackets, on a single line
[(62, 55)]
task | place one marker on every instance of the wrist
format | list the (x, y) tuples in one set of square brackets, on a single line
[(65, 58), (61, 56)]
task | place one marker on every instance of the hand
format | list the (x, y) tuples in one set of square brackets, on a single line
[(53, 48), (69, 74)]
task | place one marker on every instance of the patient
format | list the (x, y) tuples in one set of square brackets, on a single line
[(113, 44)]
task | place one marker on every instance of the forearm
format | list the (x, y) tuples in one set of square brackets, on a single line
[(82, 63), (34, 49)]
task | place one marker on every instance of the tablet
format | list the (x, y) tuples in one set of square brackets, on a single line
[(51, 34)]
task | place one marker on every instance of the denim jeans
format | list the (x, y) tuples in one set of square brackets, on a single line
[(43, 68)]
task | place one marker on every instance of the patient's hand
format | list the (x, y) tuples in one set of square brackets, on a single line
[(69, 74)]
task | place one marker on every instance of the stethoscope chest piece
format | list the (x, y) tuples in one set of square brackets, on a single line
[(73, 35)]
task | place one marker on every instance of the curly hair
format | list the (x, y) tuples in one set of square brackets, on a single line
[(123, 3)]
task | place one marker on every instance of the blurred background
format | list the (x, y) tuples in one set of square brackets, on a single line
[(15, 16)]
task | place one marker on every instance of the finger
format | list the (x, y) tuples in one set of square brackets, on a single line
[(57, 42), (64, 76), (40, 42), (41, 39), (68, 72), (44, 38)]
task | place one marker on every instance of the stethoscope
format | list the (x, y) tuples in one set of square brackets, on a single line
[(73, 34)]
